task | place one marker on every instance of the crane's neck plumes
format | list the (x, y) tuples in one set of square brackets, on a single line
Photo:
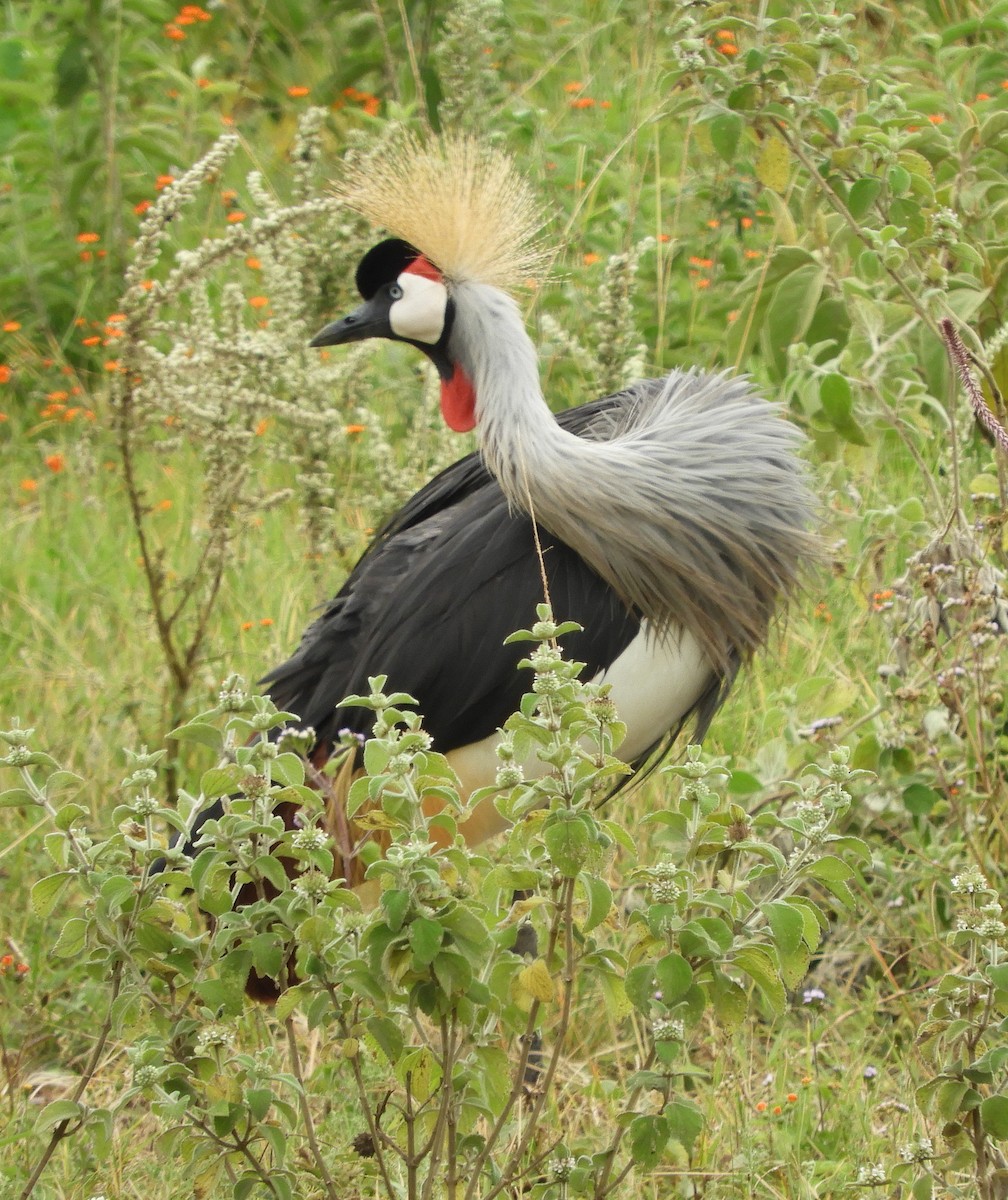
[(686, 496), (520, 440)]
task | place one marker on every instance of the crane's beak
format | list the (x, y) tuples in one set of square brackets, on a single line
[(368, 320)]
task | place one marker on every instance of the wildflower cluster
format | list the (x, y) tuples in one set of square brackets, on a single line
[(14, 966)]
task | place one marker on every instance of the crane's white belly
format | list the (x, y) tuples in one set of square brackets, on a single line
[(655, 682)]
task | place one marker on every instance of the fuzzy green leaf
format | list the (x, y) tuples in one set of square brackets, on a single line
[(47, 891), (599, 900), (994, 1115), (72, 938), (673, 977), (761, 969), (55, 1113), (648, 1137), (425, 938), (725, 131), (387, 1036)]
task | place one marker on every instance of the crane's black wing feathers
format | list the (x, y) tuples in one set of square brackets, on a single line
[(430, 602)]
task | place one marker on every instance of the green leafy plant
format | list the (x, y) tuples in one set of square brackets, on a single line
[(430, 1017)]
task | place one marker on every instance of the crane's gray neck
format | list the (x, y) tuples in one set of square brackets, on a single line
[(521, 442), (559, 479)]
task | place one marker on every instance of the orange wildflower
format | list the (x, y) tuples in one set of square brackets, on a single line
[(777, 1110), (57, 397), (583, 102), (297, 91), (350, 429), (253, 264), (5, 373), (792, 1097), (728, 48), (266, 621), (115, 319), (88, 238), (261, 428), (703, 283), (86, 256), (371, 106), (55, 463), (194, 12), (713, 223), (746, 222), (141, 207), (93, 340), (71, 413), (761, 1106), (163, 181), (11, 326), (574, 86), (822, 612), (246, 625), (28, 485), (982, 96), (696, 261), (173, 33), (590, 258), (937, 118), (111, 365), (228, 196), (163, 505), (235, 217), (258, 301), (3, 417), (752, 253)]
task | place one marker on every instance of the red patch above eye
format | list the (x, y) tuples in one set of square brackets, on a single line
[(424, 268)]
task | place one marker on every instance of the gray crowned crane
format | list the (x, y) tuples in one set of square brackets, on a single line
[(672, 519)]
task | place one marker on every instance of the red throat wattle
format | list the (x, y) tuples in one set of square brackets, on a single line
[(458, 401), (458, 397)]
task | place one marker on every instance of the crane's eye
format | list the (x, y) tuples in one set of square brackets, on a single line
[(395, 291)]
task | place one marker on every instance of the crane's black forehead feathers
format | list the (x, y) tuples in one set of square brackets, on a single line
[(382, 264)]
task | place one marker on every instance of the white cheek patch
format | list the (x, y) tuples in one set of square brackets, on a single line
[(420, 313)]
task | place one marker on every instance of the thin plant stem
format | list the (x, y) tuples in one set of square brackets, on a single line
[(63, 1129), (306, 1116)]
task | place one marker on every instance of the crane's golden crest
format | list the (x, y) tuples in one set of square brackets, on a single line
[(463, 205)]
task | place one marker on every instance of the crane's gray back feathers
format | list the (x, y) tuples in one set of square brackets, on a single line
[(689, 499)]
